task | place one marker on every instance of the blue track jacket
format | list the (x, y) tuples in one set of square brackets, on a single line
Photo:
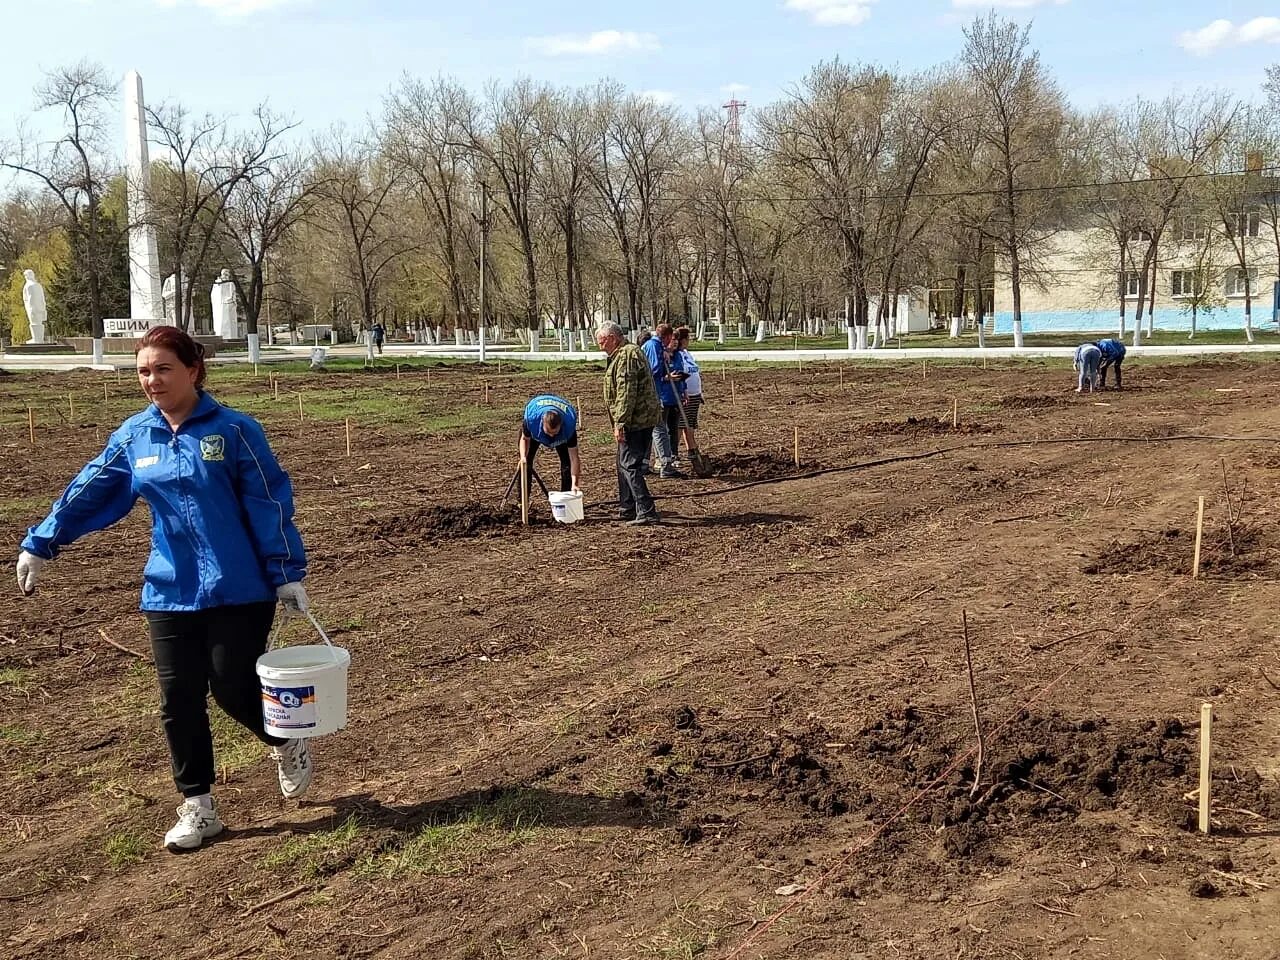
[(221, 508), (1112, 350), (668, 392)]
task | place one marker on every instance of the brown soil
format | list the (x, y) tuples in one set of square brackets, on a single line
[(612, 742)]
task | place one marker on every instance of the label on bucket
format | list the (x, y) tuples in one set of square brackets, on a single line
[(289, 708)]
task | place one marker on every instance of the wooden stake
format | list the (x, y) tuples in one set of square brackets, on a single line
[(31, 425), (105, 396), (1195, 564), (924, 369), (275, 386), (1226, 488), (71, 408), (255, 369), (1206, 781), (117, 374), (300, 408), (524, 492), (733, 393), (797, 448), (723, 367), (397, 371), (348, 424), (984, 362), (955, 413), (842, 376), (973, 700)]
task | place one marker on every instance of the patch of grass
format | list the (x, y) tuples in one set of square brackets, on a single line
[(19, 736), (311, 855), (236, 747), (680, 946), (23, 508), (126, 847), (14, 677), (451, 845)]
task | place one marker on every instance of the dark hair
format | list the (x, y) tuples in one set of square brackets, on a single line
[(181, 344), (552, 421), (663, 330), (682, 333)]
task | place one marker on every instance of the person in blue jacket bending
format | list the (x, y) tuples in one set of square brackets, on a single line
[(1112, 354), (551, 421), (669, 376), (224, 550), (1085, 364)]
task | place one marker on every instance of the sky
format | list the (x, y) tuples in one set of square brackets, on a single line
[(323, 62)]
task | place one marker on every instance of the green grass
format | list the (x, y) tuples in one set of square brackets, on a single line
[(15, 678), (307, 856), (451, 845), (235, 747), (28, 509), (125, 847), (19, 735)]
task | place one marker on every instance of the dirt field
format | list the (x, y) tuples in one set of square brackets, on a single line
[(605, 742)]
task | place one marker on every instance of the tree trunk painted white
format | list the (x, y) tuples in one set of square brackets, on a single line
[(1248, 321), (720, 331), (99, 349), (982, 335), (1017, 334), (853, 337), (861, 337), (535, 341), (255, 352), (582, 340), (955, 328), (368, 344), (1137, 335), (1192, 335), (480, 339), (760, 329), (459, 336)]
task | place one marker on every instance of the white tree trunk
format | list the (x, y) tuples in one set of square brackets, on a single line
[(982, 335), (459, 336), (1017, 334), (255, 353), (760, 330), (720, 331), (853, 337), (99, 350), (861, 337), (955, 328), (368, 344), (1137, 334)]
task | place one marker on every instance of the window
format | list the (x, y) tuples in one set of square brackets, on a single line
[(1243, 224), (1132, 285), (1187, 283), (1236, 282), (1192, 228)]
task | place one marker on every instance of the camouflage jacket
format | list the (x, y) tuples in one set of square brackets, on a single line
[(629, 390)]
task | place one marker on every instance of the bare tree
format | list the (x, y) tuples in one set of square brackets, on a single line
[(76, 168)]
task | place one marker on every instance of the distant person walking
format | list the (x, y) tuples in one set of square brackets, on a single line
[(224, 550), (551, 421), (1086, 362), (632, 401), (379, 334), (1112, 355)]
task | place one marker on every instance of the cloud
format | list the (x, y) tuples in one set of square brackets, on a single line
[(229, 8), (1006, 4), (828, 13), (1223, 33), (592, 44), (662, 97)]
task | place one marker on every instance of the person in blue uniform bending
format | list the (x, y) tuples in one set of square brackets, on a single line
[(1112, 351), (669, 377), (551, 421), (224, 550), (1088, 356)]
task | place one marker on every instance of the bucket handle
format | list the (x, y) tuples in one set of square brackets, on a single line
[(275, 634)]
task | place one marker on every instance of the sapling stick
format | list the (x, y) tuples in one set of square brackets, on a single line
[(31, 425), (1195, 563), (973, 701), (1206, 780), (1226, 488), (797, 448), (348, 425)]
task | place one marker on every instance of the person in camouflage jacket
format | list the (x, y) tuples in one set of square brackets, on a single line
[(632, 400)]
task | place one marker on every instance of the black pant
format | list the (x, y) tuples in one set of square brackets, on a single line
[(1102, 372), (566, 472), (196, 652), (633, 492)]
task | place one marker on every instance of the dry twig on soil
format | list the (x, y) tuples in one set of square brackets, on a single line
[(973, 699), (278, 898), (123, 649)]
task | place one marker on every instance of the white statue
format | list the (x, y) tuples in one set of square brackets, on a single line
[(33, 300), (169, 293), (222, 297)]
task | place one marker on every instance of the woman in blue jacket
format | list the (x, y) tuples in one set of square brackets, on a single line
[(224, 549)]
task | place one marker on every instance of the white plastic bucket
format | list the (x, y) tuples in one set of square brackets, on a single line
[(304, 688), (566, 507)]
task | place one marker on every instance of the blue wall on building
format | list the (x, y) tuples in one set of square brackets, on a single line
[(1100, 321)]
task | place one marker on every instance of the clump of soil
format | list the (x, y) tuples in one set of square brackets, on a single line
[(835, 535), (1034, 402), (923, 426), (786, 768), (750, 466), (442, 522), (1173, 550)]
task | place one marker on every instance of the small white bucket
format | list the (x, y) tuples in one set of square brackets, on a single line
[(304, 688), (566, 507)]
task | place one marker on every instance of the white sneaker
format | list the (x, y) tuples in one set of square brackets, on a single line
[(196, 824), (293, 760)]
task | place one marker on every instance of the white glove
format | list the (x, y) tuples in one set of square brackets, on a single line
[(293, 598), (29, 567)]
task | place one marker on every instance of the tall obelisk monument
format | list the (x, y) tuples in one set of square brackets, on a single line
[(144, 258)]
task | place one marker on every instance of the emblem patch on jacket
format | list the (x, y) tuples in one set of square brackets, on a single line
[(212, 447)]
